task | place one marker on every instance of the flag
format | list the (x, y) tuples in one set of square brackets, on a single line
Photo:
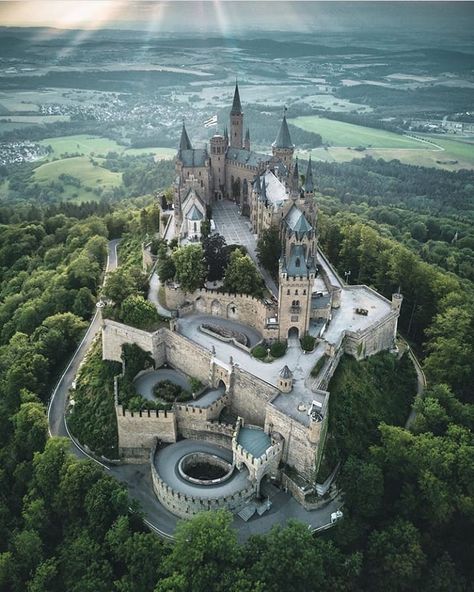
[(212, 121)]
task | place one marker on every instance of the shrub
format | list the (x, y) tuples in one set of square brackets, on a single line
[(278, 349), (196, 384), (259, 352), (170, 392), (318, 366), (307, 342)]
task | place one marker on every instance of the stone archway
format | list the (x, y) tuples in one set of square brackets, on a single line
[(216, 308), (293, 333), (200, 304), (232, 311)]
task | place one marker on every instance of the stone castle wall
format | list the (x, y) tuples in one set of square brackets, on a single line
[(137, 431), (237, 307), (250, 397)]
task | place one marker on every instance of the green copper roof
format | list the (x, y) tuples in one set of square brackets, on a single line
[(283, 139), (236, 106)]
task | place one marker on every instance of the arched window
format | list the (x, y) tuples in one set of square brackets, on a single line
[(288, 293), (297, 262), (304, 292), (296, 292)]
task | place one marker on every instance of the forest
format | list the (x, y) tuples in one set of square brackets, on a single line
[(408, 493)]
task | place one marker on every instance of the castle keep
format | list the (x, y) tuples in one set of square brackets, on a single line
[(252, 420)]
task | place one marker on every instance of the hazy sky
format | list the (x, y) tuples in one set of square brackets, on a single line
[(228, 16)]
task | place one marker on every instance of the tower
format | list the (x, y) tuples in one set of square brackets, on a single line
[(236, 121), (247, 140), (282, 147), (295, 181), (297, 271), (285, 380), (218, 146)]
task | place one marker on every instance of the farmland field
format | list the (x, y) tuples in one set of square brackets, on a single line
[(339, 133)]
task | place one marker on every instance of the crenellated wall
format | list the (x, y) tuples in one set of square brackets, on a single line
[(238, 307), (138, 430)]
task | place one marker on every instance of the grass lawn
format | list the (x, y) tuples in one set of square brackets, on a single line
[(339, 133), (158, 153), (80, 167), (82, 144)]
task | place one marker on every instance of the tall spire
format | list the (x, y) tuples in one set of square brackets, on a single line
[(283, 139), (247, 140), (236, 106), (308, 183), (184, 143), (295, 180)]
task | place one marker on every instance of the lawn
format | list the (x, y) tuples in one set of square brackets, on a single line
[(82, 144), (86, 145), (91, 177), (339, 133)]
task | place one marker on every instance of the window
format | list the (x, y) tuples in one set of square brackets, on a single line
[(288, 293), (304, 292), (297, 262), (296, 292)]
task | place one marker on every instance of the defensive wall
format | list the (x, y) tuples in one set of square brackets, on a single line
[(186, 506), (237, 307)]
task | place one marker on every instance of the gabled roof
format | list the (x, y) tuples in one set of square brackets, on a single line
[(272, 189), (247, 157), (296, 221), (194, 214), (236, 106), (184, 142), (195, 157), (283, 139)]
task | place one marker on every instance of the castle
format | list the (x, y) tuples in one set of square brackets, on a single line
[(278, 410)]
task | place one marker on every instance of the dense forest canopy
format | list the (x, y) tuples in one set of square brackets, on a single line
[(408, 494)]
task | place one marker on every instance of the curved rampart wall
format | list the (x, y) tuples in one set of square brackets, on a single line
[(186, 506)]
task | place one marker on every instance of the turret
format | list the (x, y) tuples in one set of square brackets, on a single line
[(283, 147), (218, 146), (247, 140), (285, 380), (308, 187), (397, 300), (295, 181), (236, 121)]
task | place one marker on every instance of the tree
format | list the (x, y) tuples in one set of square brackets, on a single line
[(31, 430), (204, 554), (362, 484), (190, 267), (241, 276), (165, 268), (216, 256), (138, 312), (395, 558), (269, 249)]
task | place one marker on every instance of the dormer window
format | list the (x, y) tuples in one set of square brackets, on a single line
[(297, 262)]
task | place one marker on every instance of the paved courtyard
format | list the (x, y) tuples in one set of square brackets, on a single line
[(236, 229)]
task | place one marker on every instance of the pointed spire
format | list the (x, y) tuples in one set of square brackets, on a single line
[(236, 106), (226, 133), (247, 134), (308, 183), (184, 143), (283, 140), (296, 173), (257, 183), (263, 192)]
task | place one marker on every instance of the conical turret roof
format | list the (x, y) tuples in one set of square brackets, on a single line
[(184, 143), (285, 372), (283, 140), (236, 106)]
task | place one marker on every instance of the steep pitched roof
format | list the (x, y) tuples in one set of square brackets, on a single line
[(285, 372), (184, 143), (196, 157), (296, 173), (246, 157), (296, 221), (236, 106), (283, 140), (194, 214)]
